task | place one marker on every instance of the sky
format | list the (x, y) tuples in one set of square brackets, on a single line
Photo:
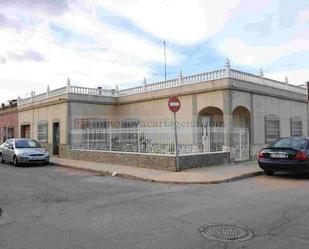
[(108, 42)]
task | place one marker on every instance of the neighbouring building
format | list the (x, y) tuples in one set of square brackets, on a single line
[(8, 120), (225, 115)]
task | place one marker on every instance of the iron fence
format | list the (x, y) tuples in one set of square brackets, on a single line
[(158, 140)]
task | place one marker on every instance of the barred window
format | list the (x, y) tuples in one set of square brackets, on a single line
[(10, 132), (296, 127), (43, 132), (4, 132), (92, 124), (272, 128)]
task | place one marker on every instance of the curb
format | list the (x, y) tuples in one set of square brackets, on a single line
[(127, 176)]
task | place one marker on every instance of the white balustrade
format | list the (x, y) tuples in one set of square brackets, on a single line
[(265, 81), (185, 80)]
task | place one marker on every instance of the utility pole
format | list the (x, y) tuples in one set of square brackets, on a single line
[(164, 44)]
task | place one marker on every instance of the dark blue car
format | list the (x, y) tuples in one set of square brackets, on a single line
[(286, 155)]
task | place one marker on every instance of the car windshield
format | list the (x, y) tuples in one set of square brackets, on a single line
[(292, 142), (27, 144)]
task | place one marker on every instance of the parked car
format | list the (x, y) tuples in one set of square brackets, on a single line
[(288, 154), (1, 147), (23, 151)]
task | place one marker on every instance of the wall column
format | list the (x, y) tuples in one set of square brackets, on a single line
[(251, 130), (228, 122)]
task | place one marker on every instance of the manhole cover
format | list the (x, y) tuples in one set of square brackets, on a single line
[(226, 233)]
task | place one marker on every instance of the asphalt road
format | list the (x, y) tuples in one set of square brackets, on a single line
[(51, 207)]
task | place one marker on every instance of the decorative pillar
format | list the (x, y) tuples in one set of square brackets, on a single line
[(47, 91), (116, 90), (227, 68), (286, 80), (261, 76), (32, 95), (144, 84), (180, 76), (68, 85)]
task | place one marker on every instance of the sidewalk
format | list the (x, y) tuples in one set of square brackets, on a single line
[(206, 175)]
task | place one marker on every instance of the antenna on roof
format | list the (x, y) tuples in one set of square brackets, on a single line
[(164, 44)]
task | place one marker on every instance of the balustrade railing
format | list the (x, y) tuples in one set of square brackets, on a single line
[(267, 82), (192, 79)]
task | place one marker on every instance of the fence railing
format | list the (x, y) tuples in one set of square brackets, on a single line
[(158, 140), (219, 74), (267, 82), (192, 79)]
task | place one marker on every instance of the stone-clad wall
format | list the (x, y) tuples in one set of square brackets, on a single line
[(138, 160), (203, 160), (161, 162)]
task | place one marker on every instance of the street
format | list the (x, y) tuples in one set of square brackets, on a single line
[(50, 207)]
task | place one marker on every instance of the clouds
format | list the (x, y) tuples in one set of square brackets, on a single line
[(274, 36), (299, 76), (28, 55), (179, 21), (108, 42), (243, 53), (50, 48), (10, 23), (3, 60), (55, 7)]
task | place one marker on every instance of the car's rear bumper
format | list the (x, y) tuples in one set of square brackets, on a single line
[(32, 160), (288, 166)]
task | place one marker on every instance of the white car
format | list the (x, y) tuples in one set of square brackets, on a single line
[(1, 147), (23, 151)]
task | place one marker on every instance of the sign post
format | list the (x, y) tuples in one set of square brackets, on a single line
[(174, 106)]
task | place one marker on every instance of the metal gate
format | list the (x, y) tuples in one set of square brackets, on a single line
[(241, 145), (212, 138)]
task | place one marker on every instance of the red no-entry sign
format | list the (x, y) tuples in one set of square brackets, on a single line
[(174, 104)]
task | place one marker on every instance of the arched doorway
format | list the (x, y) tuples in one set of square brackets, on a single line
[(211, 136), (211, 116), (241, 133), (241, 117)]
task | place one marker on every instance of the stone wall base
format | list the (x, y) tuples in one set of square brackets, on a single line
[(203, 160), (152, 161)]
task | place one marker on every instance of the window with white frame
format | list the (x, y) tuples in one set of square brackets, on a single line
[(43, 132), (296, 127), (272, 128)]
